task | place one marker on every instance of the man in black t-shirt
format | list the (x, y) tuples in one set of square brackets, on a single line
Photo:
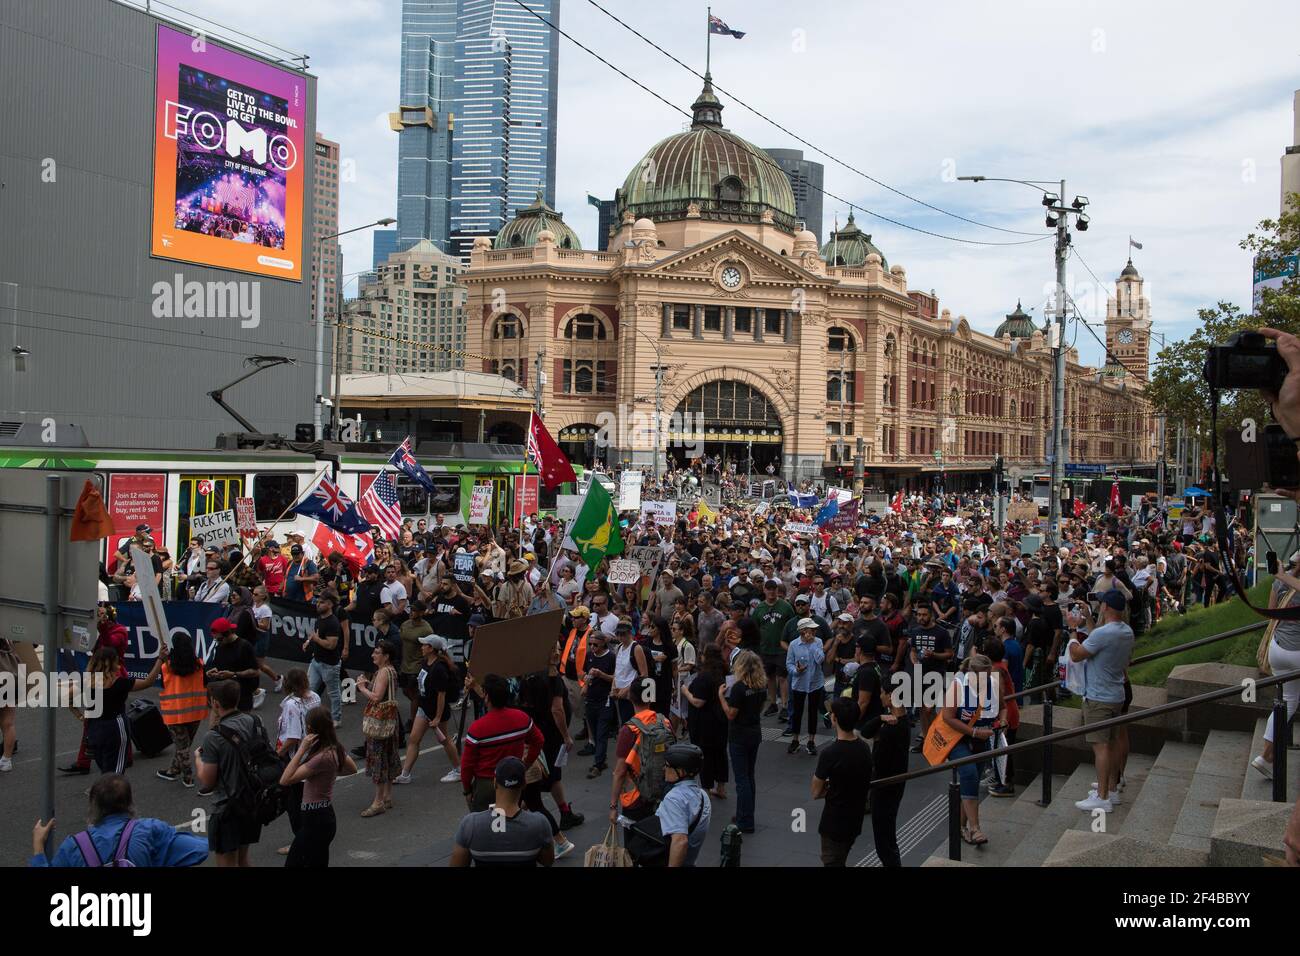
[(868, 682), (325, 646), (234, 659), (842, 778), (931, 649)]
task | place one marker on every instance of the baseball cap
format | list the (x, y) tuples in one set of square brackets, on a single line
[(475, 620), (801, 599), (435, 641), (221, 625), (143, 527), (846, 618), (296, 549), (807, 623), (510, 773), (1114, 600)]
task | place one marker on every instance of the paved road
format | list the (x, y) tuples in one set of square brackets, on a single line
[(418, 830)]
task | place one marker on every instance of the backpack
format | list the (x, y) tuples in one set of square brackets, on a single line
[(260, 798), (652, 743), (119, 857)]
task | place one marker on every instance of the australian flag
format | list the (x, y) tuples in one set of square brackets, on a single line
[(717, 26), (828, 511), (330, 506), (403, 459)]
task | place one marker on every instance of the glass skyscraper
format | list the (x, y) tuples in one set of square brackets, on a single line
[(477, 117)]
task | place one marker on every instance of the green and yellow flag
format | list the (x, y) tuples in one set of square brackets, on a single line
[(594, 531)]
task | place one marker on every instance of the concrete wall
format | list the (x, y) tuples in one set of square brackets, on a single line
[(76, 277)]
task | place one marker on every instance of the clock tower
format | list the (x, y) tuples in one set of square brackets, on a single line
[(1128, 322)]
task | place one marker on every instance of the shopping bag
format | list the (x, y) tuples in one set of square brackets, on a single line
[(607, 853)]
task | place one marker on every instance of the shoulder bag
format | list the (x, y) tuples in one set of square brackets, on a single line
[(379, 721)]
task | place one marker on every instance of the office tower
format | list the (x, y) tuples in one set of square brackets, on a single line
[(325, 220), (605, 212), (806, 184)]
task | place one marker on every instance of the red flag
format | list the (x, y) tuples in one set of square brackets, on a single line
[(1114, 497), (897, 504), (356, 549), (1078, 507), (552, 464), (91, 520)]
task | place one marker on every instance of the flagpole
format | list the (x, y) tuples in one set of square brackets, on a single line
[(524, 479), (708, 38), (265, 535)]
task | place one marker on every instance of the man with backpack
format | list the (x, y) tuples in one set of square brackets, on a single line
[(642, 748), (674, 835), (116, 837), (238, 761)]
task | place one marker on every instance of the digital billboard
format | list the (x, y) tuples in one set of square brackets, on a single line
[(228, 159)]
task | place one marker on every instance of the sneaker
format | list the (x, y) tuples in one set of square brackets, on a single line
[(6, 764), (402, 778), (207, 791), (812, 749), (826, 721), (1263, 766), (793, 748), (915, 748), (787, 732), (1114, 799), (171, 775), (587, 751), (259, 698), (564, 849), (279, 685), (187, 784), (1094, 802), (771, 709), (1002, 790), (570, 820), (594, 772), (451, 776), (74, 768), (1120, 786)]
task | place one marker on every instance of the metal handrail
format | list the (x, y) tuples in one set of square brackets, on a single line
[(1280, 724), (1200, 642)]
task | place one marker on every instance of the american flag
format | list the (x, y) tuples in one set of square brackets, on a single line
[(379, 506)]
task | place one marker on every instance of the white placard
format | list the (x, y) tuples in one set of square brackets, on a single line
[(480, 505), (566, 506), (149, 596), (660, 512), (246, 517), (950, 522), (647, 557), (629, 490), (220, 527), (624, 571), (761, 509), (801, 527), (842, 495)]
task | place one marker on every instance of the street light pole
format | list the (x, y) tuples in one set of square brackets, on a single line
[(318, 402)]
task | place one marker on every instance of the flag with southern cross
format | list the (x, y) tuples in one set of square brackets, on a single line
[(327, 503), (403, 459), (594, 530), (720, 28)]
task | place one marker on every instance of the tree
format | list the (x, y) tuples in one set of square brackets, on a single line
[(1177, 388)]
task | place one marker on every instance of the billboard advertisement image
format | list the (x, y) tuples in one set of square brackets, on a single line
[(229, 158)]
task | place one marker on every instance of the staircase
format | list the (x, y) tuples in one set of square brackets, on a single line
[(1191, 800)]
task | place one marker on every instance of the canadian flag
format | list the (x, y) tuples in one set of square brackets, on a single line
[(357, 549)]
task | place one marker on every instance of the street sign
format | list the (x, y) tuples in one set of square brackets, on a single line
[(1078, 468)]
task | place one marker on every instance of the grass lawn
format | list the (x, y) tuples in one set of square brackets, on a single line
[(1197, 623)]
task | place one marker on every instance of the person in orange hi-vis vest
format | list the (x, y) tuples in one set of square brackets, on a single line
[(637, 788), (184, 704)]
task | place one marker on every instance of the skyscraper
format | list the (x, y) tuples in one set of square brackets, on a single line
[(385, 244), (477, 117), (806, 183), (325, 219), (605, 216)]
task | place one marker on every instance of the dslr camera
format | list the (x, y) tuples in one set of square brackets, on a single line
[(1245, 360)]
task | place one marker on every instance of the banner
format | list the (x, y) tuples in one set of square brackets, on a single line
[(246, 517), (525, 497), (660, 512), (480, 505), (291, 622), (218, 528), (629, 490), (624, 571), (801, 527), (846, 519), (229, 155), (134, 499)]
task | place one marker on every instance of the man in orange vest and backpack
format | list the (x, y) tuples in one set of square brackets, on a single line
[(640, 756), (573, 661)]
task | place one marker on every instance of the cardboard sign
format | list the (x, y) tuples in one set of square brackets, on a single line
[(624, 571), (480, 505), (761, 509), (1023, 511), (246, 517), (629, 490), (513, 648), (463, 569), (660, 512), (647, 557), (842, 495), (566, 506), (220, 527), (149, 596)]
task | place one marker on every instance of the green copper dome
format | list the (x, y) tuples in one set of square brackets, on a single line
[(722, 175), (1018, 325), (528, 223), (850, 247)]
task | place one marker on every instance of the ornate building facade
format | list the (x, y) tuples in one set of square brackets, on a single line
[(714, 310)]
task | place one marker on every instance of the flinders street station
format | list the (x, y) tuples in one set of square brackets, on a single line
[(717, 309)]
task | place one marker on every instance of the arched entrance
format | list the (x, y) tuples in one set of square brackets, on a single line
[(578, 442), (730, 421)]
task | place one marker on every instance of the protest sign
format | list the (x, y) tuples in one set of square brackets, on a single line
[(246, 517), (218, 528), (624, 571), (629, 490), (515, 647), (480, 505), (660, 512)]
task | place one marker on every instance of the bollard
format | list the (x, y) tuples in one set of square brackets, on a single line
[(1046, 797), (954, 818), (731, 843)]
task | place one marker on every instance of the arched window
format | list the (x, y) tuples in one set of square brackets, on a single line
[(584, 327), (890, 345), (840, 340), (507, 327), (731, 189)]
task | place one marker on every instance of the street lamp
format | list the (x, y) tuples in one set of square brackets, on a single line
[(320, 400), (659, 398), (1058, 218)]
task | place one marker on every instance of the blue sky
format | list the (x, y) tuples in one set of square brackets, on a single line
[(1170, 116)]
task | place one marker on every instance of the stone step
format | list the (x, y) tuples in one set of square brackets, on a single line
[(1153, 811), (1248, 833), (1146, 736), (1219, 773), (1258, 787), (1232, 713), (1004, 821), (1040, 839), (1085, 848), (1136, 772)]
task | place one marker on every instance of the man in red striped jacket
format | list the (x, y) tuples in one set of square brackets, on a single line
[(502, 732)]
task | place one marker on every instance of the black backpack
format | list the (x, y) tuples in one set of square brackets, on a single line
[(260, 797)]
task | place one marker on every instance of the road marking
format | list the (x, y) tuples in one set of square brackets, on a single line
[(915, 830)]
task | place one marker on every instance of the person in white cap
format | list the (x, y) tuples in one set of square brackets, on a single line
[(436, 685), (803, 664)]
